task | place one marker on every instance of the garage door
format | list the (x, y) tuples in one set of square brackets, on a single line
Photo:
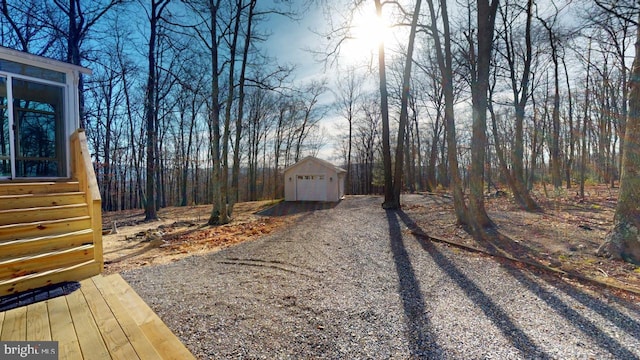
[(311, 188)]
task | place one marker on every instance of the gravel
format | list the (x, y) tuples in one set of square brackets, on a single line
[(351, 282)]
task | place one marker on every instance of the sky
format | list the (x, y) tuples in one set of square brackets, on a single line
[(291, 42), (291, 38)]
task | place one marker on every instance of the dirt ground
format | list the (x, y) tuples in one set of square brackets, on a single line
[(564, 237), (180, 232)]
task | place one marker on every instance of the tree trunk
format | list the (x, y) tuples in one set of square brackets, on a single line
[(404, 114), (571, 139), (227, 199), (479, 89), (583, 150), (218, 211), (521, 196), (276, 150), (534, 148), (235, 175), (151, 114), (445, 63), (556, 177), (520, 98), (623, 241), (389, 201)]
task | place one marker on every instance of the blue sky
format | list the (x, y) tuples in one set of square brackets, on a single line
[(289, 43), (290, 38)]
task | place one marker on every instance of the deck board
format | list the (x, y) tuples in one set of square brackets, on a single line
[(103, 319), (14, 327), (89, 337), (62, 329), (38, 326), (112, 334), (154, 329), (143, 347)]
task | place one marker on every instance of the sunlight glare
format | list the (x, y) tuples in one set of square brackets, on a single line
[(367, 31)]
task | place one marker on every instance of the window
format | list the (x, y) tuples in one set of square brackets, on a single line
[(37, 115), (38, 125), (32, 71), (5, 136)]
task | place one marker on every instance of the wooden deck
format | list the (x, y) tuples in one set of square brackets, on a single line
[(103, 319)]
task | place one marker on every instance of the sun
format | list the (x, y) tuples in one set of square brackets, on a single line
[(367, 31)]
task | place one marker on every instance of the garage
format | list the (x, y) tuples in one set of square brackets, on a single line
[(313, 179), (311, 187)]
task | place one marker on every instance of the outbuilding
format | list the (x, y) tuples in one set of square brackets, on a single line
[(313, 179)]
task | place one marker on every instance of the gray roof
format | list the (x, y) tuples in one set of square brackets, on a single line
[(35, 60), (324, 163)]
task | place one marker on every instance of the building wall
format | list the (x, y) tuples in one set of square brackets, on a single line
[(310, 167), (68, 84)]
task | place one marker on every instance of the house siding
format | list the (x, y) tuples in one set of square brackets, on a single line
[(334, 177)]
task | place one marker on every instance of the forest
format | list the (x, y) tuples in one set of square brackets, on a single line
[(188, 104)]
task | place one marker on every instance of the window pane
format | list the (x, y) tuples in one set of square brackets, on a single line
[(33, 71), (38, 117), (5, 146)]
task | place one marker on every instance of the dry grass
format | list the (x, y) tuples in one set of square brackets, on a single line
[(180, 232)]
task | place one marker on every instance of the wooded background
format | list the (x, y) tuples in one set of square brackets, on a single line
[(185, 106)]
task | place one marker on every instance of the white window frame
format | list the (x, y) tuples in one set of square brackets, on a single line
[(65, 110)]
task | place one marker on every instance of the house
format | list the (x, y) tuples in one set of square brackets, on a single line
[(50, 218), (313, 179), (51, 227)]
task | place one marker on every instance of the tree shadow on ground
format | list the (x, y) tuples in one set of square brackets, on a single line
[(422, 341), (623, 321), (285, 208), (150, 246), (496, 242), (493, 311)]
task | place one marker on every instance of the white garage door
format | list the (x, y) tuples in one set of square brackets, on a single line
[(311, 188)]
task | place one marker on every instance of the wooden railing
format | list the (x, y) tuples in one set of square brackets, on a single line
[(83, 172)]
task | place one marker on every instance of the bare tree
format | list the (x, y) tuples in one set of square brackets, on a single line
[(404, 111), (206, 29), (445, 63), (349, 95), (623, 241), (521, 94), (27, 29), (311, 112), (384, 110), (235, 173), (368, 132), (481, 59), (585, 121), (554, 43), (80, 21), (151, 114)]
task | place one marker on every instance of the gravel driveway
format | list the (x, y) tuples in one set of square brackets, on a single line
[(350, 282)]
